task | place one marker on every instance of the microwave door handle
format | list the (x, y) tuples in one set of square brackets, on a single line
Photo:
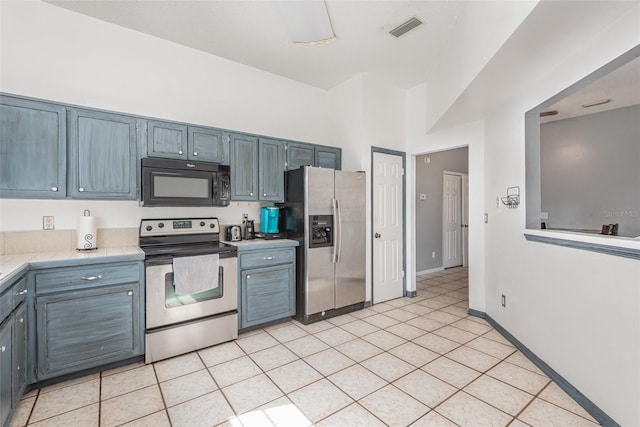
[(167, 173)]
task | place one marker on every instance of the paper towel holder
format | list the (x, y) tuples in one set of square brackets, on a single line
[(87, 240)]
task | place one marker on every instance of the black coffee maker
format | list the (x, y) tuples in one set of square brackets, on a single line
[(249, 230)]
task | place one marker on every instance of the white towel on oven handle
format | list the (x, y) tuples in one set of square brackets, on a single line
[(195, 274)]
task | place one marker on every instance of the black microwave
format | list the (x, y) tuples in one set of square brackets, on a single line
[(171, 182)]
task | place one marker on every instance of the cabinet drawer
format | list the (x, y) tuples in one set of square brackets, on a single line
[(72, 278), (265, 258), (12, 297)]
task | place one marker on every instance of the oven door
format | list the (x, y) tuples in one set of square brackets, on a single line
[(165, 307)]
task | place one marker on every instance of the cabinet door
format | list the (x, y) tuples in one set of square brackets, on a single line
[(84, 329), (328, 157), (271, 170), (207, 145), (19, 363), (166, 139), (299, 155), (267, 294), (5, 371), (103, 155), (33, 149), (244, 167)]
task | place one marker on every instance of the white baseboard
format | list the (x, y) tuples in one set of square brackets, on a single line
[(431, 270)]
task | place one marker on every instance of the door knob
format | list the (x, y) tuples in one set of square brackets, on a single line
[(377, 235)]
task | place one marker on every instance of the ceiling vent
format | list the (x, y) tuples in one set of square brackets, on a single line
[(549, 113), (405, 27), (600, 102)]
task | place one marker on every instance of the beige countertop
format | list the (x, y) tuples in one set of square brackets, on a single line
[(12, 266), (263, 244)]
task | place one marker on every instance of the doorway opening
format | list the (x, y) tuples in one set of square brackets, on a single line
[(430, 229)]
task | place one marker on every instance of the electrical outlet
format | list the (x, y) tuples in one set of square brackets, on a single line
[(497, 201), (503, 301), (433, 254), (245, 218), (486, 218), (47, 223)]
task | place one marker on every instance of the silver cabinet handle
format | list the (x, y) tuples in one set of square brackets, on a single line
[(130, 293), (92, 278), (264, 195), (180, 152), (2, 349), (249, 276), (191, 165), (195, 153), (22, 292), (268, 258), (251, 194), (21, 320), (54, 188), (81, 189)]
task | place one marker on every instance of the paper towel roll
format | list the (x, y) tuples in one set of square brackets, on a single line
[(87, 232)]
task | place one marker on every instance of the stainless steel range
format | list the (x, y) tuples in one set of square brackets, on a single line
[(191, 286)]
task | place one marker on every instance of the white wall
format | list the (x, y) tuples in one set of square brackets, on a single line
[(52, 53), (579, 311), (366, 111)]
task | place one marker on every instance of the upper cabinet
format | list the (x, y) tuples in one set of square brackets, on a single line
[(244, 167), (33, 149), (178, 141), (299, 154), (103, 155), (328, 157), (166, 139), (257, 168), (271, 170), (206, 144)]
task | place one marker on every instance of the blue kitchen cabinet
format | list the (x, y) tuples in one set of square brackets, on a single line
[(13, 346), (33, 149), (180, 141), (208, 145), (103, 155), (87, 317), (267, 286), (299, 154), (5, 370), (271, 166), (328, 157), (167, 139), (244, 167)]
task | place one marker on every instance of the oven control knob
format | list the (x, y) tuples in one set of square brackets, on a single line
[(201, 223), (212, 226), (149, 228), (161, 224)]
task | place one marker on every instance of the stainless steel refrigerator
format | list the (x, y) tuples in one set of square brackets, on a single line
[(324, 210)]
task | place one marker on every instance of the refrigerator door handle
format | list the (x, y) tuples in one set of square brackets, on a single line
[(337, 230)]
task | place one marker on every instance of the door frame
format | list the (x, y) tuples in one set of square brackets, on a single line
[(403, 155)]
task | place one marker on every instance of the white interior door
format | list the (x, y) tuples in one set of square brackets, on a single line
[(451, 216), (465, 220), (388, 244)]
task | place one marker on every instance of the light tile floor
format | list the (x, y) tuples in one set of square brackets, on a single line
[(411, 361)]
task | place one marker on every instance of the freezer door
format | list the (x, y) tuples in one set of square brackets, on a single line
[(319, 191), (319, 289), (350, 268)]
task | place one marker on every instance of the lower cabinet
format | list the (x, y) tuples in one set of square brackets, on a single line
[(5, 370), (13, 347), (87, 317), (267, 286)]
